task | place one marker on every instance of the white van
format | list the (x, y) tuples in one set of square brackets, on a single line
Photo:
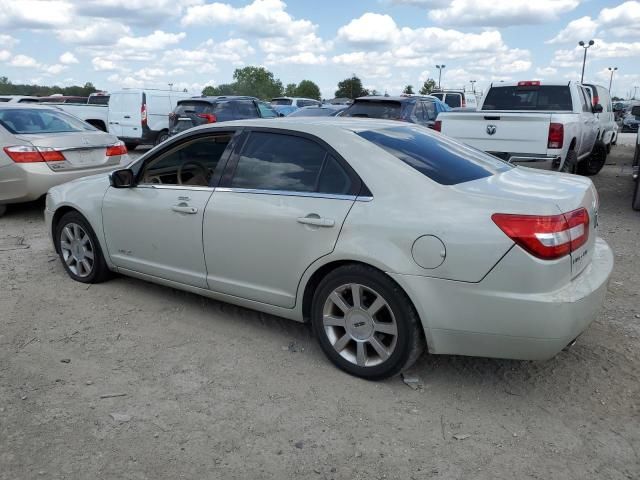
[(141, 116), (606, 118), (457, 98)]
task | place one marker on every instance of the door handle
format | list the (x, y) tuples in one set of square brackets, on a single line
[(184, 209), (316, 221), (114, 123), (127, 116)]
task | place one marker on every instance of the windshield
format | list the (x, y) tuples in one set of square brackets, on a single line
[(32, 120), (441, 159), (281, 101), (387, 109), (454, 100), (545, 98)]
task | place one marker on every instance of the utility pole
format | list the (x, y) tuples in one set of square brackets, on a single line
[(170, 86), (440, 68), (584, 59), (611, 78), (473, 85)]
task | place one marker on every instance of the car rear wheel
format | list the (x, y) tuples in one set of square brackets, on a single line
[(365, 323), (162, 136), (131, 146), (570, 162), (79, 249), (3, 210), (594, 162)]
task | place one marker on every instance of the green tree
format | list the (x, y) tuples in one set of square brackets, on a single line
[(8, 88), (428, 86), (290, 90), (222, 89), (308, 89), (408, 90), (374, 92), (351, 88), (258, 82)]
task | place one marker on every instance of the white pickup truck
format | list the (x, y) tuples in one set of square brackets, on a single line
[(96, 115), (549, 126)]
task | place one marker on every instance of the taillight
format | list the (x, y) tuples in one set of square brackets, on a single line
[(529, 83), (437, 126), (556, 135), (596, 100), (116, 149), (210, 118), (546, 237), (143, 114), (27, 154), (464, 103)]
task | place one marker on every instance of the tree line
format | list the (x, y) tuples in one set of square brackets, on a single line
[(9, 88)]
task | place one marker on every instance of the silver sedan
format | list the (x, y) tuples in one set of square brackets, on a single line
[(41, 146), (387, 237)]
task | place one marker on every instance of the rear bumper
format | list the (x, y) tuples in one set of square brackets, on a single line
[(29, 181), (478, 320), (547, 162)]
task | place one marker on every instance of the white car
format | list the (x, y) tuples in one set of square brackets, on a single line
[(384, 235), (548, 125), (296, 102)]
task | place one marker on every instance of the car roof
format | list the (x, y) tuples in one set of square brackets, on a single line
[(46, 106), (217, 98), (394, 98)]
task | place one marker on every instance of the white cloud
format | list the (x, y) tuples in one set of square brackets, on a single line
[(501, 13), (35, 13), (158, 40), (24, 61), (547, 72), (101, 64), (7, 41), (5, 55), (370, 28), (95, 32), (622, 21), (571, 58), (68, 58), (583, 28), (54, 69), (135, 11), (304, 58), (202, 58)]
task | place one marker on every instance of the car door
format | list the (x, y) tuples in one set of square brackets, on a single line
[(155, 227), (279, 208)]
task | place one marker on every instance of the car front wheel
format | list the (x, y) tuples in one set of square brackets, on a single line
[(365, 323), (79, 249)]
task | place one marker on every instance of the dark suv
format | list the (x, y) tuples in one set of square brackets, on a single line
[(422, 110), (196, 111)]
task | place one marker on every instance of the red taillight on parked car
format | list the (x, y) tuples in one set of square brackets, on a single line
[(437, 126), (143, 114), (556, 135), (596, 100), (116, 149), (210, 118), (27, 154), (546, 237), (529, 83)]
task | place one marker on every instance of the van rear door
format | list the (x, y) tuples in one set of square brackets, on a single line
[(158, 110), (125, 114)]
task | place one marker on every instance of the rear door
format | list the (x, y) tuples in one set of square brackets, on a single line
[(126, 114), (158, 110), (589, 123), (280, 207)]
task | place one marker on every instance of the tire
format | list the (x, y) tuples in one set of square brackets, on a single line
[(595, 161), (74, 251), (570, 162), (635, 203), (131, 146), (371, 346), (3, 210), (162, 136)]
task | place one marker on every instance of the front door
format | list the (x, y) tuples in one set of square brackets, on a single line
[(156, 227), (281, 210)]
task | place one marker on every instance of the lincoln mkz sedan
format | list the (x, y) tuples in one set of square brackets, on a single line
[(387, 237)]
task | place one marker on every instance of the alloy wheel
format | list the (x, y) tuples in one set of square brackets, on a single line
[(77, 250), (360, 325)]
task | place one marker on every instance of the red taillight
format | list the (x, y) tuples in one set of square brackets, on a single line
[(437, 126), (556, 135), (546, 237), (27, 154), (596, 101), (464, 103), (116, 149), (529, 83), (143, 114), (210, 118)]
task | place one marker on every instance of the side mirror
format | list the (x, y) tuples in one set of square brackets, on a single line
[(635, 111), (597, 108), (122, 178)]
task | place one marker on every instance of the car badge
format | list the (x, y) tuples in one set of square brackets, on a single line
[(85, 141), (491, 129)]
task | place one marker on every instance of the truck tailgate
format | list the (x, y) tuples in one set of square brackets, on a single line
[(499, 132)]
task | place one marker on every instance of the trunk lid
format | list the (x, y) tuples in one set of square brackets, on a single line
[(81, 150), (499, 131)]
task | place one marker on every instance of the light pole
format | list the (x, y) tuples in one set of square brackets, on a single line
[(170, 86), (611, 78), (584, 60), (473, 85), (440, 67)]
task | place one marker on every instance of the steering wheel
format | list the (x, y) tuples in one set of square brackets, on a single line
[(204, 171)]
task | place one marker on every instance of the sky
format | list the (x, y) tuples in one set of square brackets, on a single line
[(387, 43)]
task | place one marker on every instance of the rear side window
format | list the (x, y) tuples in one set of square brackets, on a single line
[(245, 109), (545, 98), (442, 160), (266, 111), (4, 99), (307, 103), (429, 110), (386, 109), (281, 101), (224, 111)]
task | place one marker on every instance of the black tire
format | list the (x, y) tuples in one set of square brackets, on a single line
[(131, 146), (635, 203), (409, 337), (593, 163), (162, 136), (99, 271), (570, 162)]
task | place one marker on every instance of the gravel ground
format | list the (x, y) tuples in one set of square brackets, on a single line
[(199, 389)]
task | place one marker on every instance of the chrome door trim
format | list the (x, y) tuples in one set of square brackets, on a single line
[(287, 193), (160, 186)]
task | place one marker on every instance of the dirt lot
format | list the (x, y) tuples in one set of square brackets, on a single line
[(215, 391)]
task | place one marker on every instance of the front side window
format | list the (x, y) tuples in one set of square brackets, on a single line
[(442, 160), (191, 163), (266, 111), (32, 120), (429, 110)]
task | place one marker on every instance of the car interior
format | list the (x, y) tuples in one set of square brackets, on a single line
[(193, 163)]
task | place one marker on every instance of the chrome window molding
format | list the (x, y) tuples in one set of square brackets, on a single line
[(161, 186), (287, 193)]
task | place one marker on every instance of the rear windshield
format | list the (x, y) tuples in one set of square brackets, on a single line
[(454, 100), (442, 160), (193, 107), (281, 101), (31, 120), (387, 109), (99, 100), (545, 98)]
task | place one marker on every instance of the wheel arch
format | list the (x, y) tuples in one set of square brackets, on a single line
[(58, 214), (572, 145)]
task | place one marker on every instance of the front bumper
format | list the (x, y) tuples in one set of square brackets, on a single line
[(487, 319)]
